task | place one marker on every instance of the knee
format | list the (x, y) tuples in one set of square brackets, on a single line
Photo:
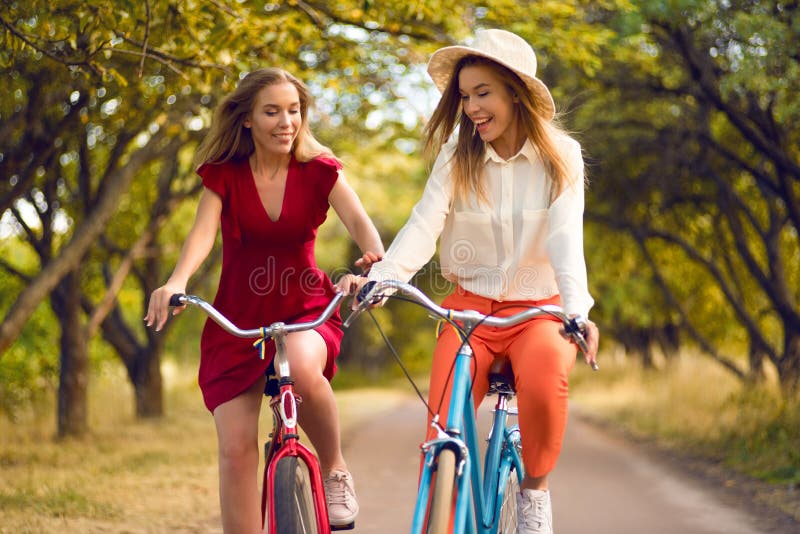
[(307, 378), (235, 453)]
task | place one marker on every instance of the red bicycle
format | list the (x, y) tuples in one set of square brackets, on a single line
[(293, 495)]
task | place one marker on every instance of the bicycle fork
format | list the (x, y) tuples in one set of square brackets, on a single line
[(485, 489)]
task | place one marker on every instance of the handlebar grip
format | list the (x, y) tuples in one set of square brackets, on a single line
[(176, 299), (365, 289)]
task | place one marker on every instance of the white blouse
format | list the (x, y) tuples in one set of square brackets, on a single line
[(516, 246)]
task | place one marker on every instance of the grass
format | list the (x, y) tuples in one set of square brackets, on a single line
[(128, 475), (696, 408)]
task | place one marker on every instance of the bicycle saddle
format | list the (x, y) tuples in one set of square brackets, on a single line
[(501, 377)]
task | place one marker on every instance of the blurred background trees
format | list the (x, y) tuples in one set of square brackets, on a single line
[(684, 109)]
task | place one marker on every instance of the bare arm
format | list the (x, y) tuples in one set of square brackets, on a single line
[(348, 207), (195, 250)]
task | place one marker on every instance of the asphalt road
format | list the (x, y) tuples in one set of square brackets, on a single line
[(602, 484)]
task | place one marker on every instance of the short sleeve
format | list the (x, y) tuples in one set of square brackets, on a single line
[(214, 178), (319, 176), (327, 172)]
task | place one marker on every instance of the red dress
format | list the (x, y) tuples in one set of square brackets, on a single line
[(269, 272)]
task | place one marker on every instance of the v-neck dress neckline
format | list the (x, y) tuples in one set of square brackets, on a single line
[(257, 195)]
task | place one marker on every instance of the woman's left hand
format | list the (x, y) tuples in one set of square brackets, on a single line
[(366, 260)]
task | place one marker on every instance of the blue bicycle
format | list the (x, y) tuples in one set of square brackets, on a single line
[(485, 499)]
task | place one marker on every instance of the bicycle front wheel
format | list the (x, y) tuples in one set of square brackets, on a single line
[(507, 518), (294, 505), (441, 505)]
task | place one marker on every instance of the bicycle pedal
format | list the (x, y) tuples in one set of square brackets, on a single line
[(349, 526)]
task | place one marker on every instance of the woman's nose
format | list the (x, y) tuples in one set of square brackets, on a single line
[(470, 105)]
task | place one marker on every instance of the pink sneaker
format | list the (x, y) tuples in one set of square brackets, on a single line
[(340, 494)]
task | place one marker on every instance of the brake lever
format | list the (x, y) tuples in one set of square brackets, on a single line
[(352, 317), (365, 298), (576, 330)]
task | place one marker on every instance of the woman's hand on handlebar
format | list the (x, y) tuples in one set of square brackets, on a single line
[(592, 337), (158, 306), (351, 284)]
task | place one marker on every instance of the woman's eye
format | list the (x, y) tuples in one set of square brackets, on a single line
[(483, 94)]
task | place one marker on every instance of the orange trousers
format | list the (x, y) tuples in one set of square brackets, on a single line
[(541, 359)]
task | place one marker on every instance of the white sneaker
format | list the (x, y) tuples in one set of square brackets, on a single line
[(534, 512), (340, 494)]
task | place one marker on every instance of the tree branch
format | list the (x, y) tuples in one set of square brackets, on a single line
[(437, 34), (643, 232), (704, 74), (146, 36), (687, 323)]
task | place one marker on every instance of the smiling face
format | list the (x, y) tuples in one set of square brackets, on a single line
[(489, 104), (276, 118)]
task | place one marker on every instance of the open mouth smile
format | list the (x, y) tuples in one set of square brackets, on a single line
[(482, 124)]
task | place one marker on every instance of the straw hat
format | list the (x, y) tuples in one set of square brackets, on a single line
[(505, 48)]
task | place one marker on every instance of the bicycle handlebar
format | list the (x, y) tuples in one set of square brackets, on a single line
[(270, 331), (374, 292)]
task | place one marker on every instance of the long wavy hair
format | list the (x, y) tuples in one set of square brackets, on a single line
[(227, 137), (470, 149)]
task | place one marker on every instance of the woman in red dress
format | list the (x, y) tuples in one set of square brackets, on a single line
[(268, 185)]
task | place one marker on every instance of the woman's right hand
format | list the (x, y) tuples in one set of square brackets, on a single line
[(158, 306), (351, 284)]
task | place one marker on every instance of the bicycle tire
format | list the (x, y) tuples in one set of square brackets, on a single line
[(294, 505), (441, 506), (507, 517)]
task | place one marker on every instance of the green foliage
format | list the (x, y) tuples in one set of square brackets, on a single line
[(29, 370), (689, 158), (671, 167)]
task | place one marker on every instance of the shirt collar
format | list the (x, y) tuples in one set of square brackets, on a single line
[(527, 151)]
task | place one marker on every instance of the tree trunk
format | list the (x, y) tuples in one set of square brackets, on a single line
[(71, 254), (755, 373), (74, 376), (147, 383), (789, 365)]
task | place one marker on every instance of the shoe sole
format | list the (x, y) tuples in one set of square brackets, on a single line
[(348, 526)]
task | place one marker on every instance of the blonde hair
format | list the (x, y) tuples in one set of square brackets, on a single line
[(470, 149), (227, 138)]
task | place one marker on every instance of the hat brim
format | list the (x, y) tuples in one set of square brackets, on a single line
[(444, 60)]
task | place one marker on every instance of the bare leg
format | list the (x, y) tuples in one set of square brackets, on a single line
[(538, 483), (318, 414), (237, 434)]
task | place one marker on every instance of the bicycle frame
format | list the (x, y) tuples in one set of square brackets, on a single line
[(285, 442), (478, 515), (501, 454), (285, 439)]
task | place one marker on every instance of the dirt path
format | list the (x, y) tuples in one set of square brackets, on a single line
[(602, 484)]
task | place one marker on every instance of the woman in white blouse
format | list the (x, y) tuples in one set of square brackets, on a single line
[(506, 197)]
